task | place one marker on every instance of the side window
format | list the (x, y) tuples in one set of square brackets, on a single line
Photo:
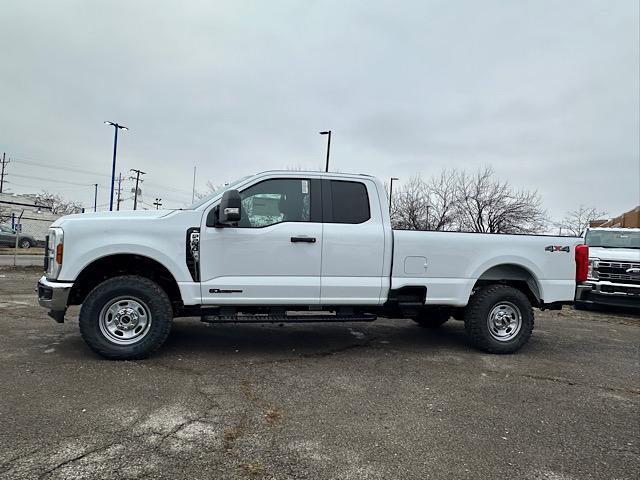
[(350, 202), (275, 201)]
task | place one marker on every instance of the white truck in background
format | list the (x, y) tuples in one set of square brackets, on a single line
[(614, 268), (286, 246)]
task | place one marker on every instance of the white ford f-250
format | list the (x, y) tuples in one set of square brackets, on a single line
[(614, 268), (288, 246)]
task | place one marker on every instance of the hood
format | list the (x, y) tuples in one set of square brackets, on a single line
[(116, 215), (615, 254)]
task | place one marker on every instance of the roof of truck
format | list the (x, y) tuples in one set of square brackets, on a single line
[(614, 229), (316, 172)]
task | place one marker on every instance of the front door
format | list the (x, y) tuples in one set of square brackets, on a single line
[(273, 255)]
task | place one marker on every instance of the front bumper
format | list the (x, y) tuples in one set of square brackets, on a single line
[(608, 293), (54, 296)]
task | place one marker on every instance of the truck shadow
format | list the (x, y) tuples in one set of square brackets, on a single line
[(190, 337)]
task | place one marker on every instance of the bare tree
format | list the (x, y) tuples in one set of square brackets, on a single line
[(576, 221), (410, 205), (5, 215), (485, 204), (442, 200), (56, 203), (459, 201), (210, 187)]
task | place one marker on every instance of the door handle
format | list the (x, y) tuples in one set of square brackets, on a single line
[(303, 239)]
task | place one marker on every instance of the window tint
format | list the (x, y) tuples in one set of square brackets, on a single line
[(350, 202), (275, 201)]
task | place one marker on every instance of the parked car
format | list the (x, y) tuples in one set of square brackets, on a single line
[(8, 238), (614, 268), (269, 246)]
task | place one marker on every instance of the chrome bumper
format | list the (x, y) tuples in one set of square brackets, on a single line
[(611, 293), (54, 296)]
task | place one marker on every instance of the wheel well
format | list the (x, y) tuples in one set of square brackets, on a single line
[(515, 276), (123, 264)]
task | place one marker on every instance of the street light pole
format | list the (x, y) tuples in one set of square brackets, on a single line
[(327, 132), (116, 127), (95, 198), (391, 192)]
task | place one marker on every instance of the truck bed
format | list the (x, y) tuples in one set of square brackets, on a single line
[(450, 263)]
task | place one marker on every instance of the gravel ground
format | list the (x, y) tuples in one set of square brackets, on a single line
[(356, 401)]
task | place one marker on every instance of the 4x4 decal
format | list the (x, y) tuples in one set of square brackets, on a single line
[(557, 248)]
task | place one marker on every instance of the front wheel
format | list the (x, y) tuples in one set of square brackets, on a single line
[(499, 319), (24, 243), (126, 318)]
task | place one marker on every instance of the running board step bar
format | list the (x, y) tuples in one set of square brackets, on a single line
[(286, 318)]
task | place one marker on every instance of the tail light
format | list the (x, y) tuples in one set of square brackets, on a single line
[(59, 254), (582, 263)]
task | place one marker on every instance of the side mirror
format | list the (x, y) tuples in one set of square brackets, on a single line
[(228, 212)]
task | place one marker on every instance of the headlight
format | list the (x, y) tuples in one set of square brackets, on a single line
[(54, 252), (592, 273)]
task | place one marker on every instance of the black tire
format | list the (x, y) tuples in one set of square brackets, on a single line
[(480, 307), (24, 243), (432, 318), (149, 294)]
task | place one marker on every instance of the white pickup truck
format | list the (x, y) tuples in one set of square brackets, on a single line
[(614, 268), (287, 246)]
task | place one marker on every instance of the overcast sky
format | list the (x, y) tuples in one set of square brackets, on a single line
[(547, 92)]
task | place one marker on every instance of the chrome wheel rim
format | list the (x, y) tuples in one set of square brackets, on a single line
[(504, 321), (24, 243), (125, 320)]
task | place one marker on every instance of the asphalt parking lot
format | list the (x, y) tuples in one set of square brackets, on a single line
[(383, 400)]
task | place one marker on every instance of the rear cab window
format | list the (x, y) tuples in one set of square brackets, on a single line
[(349, 202)]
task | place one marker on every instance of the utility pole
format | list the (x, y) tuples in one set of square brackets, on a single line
[(4, 164), (113, 166), (119, 199), (95, 198), (327, 132), (135, 195), (391, 193), (158, 203)]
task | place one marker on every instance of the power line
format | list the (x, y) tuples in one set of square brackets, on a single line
[(89, 172), (58, 167), (39, 187), (49, 180)]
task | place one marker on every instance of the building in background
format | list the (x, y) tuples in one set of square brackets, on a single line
[(630, 219), (23, 210)]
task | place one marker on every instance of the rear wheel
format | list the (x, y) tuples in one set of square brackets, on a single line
[(126, 318), (24, 243), (432, 318), (499, 319)]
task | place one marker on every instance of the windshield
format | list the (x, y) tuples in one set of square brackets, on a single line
[(613, 239), (218, 191)]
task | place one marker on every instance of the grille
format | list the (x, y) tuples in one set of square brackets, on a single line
[(617, 272)]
